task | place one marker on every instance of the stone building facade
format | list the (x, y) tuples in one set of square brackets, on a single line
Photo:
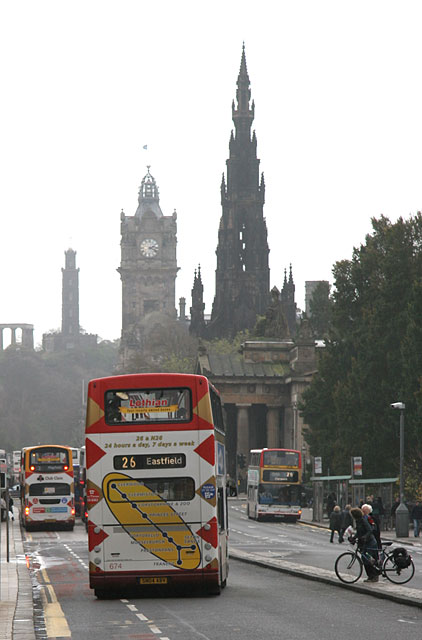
[(21, 335), (261, 388), (148, 271)]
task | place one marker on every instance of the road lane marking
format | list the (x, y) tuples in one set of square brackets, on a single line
[(141, 617), (132, 607), (154, 629)]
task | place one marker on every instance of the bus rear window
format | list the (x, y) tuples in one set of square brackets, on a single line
[(49, 489), (140, 406), (169, 489)]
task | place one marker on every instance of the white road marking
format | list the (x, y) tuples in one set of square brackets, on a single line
[(408, 621), (141, 616), (154, 629), (132, 607)]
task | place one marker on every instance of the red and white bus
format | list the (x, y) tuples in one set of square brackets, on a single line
[(47, 487), (274, 484), (156, 483)]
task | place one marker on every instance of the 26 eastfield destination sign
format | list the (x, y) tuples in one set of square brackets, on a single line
[(150, 461)]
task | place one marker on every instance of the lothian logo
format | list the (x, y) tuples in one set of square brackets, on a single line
[(40, 478)]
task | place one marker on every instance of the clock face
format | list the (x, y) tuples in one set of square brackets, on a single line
[(149, 248)]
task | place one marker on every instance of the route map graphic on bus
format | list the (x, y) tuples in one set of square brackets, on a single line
[(151, 521)]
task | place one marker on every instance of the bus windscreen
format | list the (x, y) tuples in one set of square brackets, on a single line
[(139, 406), (281, 458), (48, 459)]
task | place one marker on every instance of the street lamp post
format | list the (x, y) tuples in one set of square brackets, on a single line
[(402, 512)]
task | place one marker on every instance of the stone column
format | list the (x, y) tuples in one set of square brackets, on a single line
[(13, 340), (242, 445), (28, 338), (243, 429), (273, 427), (288, 428)]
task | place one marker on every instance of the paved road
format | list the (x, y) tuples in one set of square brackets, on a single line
[(257, 603), (298, 543)]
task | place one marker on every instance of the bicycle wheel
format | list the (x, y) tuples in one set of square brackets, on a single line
[(348, 567), (395, 574)]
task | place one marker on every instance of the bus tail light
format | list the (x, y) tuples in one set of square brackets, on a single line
[(72, 511), (32, 467), (65, 467), (27, 511)]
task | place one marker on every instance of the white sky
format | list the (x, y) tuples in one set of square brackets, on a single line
[(85, 84)]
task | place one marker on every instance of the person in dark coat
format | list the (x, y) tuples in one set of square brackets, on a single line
[(416, 516), (367, 544), (368, 514), (378, 512), (346, 521), (335, 523), (331, 501), (393, 511)]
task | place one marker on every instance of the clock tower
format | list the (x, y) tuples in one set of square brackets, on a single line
[(148, 270)]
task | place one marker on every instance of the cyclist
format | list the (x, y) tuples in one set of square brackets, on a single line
[(367, 544), (367, 513)]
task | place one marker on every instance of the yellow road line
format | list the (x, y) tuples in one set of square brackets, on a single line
[(55, 620)]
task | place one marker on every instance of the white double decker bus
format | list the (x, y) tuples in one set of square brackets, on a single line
[(274, 484), (156, 483), (47, 487)]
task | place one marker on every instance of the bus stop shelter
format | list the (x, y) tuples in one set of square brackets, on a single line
[(322, 486), (379, 488)]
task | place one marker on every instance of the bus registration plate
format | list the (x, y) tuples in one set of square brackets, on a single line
[(153, 580)]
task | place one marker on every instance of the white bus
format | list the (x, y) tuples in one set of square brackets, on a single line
[(274, 484), (47, 487), (156, 483)]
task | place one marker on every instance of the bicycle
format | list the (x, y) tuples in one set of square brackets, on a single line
[(397, 565)]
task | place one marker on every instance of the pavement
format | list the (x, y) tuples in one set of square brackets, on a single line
[(16, 604), (16, 608)]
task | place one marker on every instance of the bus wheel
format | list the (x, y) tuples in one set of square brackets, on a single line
[(215, 590)]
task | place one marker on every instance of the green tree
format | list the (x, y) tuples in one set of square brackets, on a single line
[(320, 308), (42, 394), (373, 355)]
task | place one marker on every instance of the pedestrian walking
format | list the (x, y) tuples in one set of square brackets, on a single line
[(393, 511), (367, 545), (331, 501), (11, 507), (335, 523), (416, 516), (346, 521)]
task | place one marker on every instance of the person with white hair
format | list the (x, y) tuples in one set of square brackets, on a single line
[(367, 544), (367, 513)]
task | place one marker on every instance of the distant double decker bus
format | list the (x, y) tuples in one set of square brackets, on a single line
[(156, 483), (47, 487), (274, 484)]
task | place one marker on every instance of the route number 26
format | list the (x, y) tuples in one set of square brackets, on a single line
[(128, 462)]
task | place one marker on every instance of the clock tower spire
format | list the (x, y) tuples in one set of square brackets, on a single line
[(148, 270)]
